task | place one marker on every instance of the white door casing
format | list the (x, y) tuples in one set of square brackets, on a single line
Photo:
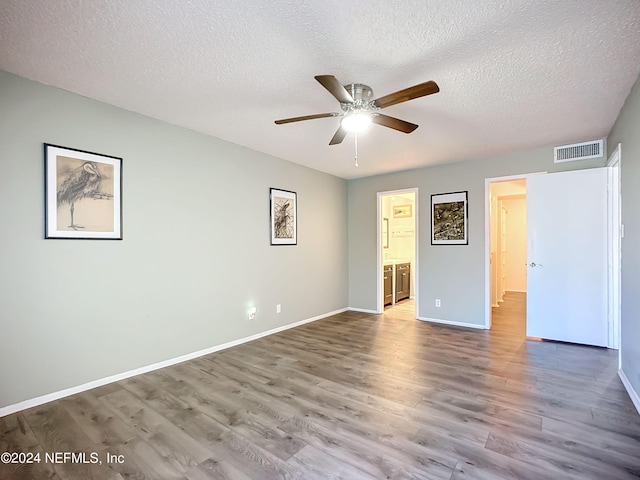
[(615, 248), (503, 251)]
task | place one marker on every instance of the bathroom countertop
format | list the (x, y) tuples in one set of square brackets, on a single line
[(395, 261)]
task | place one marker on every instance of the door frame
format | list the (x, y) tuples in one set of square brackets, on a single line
[(487, 238), (614, 223), (379, 249)]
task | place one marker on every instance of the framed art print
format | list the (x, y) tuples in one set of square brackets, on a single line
[(284, 217), (402, 211), (83, 194), (449, 224)]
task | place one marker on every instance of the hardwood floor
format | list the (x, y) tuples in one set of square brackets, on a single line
[(510, 317), (407, 306), (353, 396)]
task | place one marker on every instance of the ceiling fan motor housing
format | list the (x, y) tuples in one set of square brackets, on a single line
[(361, 95)]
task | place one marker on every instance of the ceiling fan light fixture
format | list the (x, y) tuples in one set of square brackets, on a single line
[(359, 110), (356, 121)]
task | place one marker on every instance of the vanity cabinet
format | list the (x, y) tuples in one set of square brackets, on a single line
[(403, 281), (387, 281)]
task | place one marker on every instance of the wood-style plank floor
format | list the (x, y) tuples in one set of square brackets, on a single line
[(353, 396)]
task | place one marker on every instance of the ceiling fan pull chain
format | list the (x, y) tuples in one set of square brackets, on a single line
[(356, 137)]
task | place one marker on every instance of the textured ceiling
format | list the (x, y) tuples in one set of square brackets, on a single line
[(513, 74)]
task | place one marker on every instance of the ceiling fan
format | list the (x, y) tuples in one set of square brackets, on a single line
[(359, 110)]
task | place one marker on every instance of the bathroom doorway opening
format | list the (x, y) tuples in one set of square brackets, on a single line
[(397, 262)]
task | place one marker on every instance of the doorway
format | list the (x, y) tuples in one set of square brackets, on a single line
[(585, 205), (397, 259), (508, 250)]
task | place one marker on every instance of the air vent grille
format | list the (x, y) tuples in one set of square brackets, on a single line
[(578, 151)]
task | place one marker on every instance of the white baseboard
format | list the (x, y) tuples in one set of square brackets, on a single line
[(630, 390), (363, 310), (450, 322), (34, 402)]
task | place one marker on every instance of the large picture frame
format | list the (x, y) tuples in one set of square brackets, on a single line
[(284, 217), (83, 194), (449, 219)]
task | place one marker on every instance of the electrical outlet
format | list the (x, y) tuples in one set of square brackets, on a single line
[(278, 308), (438, 302), (252, 313)]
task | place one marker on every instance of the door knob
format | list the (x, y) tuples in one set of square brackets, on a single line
[(534, 264)]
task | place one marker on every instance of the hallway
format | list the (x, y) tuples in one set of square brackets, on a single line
[(510, 318)]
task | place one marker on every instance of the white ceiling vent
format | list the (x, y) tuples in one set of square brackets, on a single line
[(578, 151)]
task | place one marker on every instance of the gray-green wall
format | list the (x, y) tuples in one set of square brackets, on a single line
[(626, 131), (195, 252), (454, 274)]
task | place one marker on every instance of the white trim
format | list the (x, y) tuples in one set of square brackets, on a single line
[(379, 255), (451, 322), (615, 157), (363, 310), (34, 402), (630, 390), (614, 222)]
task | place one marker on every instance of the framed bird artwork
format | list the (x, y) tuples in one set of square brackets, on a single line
[(83, 194), (284, 217)]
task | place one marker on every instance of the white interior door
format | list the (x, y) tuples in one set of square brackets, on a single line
[(567, 256)]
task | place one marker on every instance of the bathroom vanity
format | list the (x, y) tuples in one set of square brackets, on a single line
[(396, 280)]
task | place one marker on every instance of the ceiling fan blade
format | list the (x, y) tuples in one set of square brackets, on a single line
[(306, 117), (395, 123), (417, 91), (338, 136), (334, 87)]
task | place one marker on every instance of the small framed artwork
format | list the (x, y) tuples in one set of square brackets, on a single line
[(284, 217), (402, 211), (449, 220), (83, 194)]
